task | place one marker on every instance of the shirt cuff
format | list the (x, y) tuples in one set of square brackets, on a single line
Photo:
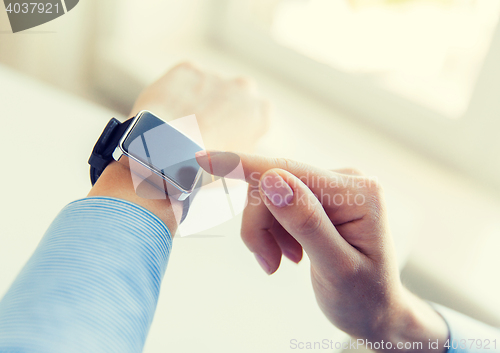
[(467, 334)]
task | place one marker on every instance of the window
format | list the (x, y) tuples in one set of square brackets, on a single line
[(427, 51), (424, 71)]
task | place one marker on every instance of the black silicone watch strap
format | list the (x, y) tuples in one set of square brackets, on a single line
[(102, 154)]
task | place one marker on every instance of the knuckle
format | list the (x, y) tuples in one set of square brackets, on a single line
[(286, 164), (373, 203), (375, 206), (312, 223), (246, 234), (245, 82), (248, 238), (373, 187), (187, 66)]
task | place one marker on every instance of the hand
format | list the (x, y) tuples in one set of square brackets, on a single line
[(230, 113), (339, 219)]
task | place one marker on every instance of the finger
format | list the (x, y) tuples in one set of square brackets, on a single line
[(348, 171), (255, 232), (259, 229), (301, 214), (254, 166), (217, 163), (184, 75), (290, 247), (342, 195)]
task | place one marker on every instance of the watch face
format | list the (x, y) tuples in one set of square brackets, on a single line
[(163, 149)]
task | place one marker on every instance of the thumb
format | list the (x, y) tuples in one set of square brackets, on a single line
[(302, 215)]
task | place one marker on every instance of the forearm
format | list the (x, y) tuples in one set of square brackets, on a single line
[(93, 282)]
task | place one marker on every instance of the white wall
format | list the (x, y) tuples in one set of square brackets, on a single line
[(63, 52)]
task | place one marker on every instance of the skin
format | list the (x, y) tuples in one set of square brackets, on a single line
[(116, 182), (354, 271)]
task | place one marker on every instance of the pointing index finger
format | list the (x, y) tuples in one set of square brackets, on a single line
[(254, 166)]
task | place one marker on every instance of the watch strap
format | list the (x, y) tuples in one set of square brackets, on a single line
[(102, 154)]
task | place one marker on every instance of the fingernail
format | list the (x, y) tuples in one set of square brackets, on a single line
[(263, 263), (201, 154), (276, 189), (209, 153)]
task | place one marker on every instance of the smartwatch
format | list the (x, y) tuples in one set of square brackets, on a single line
[(157, 152)]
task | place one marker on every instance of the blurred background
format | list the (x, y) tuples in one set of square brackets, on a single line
[(405, 90)]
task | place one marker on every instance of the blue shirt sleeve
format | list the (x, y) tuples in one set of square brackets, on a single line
[(92, 284), (468, 335)]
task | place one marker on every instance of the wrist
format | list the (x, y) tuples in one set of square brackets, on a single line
[(412, 325), (116, 181)]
